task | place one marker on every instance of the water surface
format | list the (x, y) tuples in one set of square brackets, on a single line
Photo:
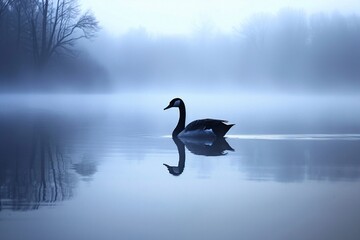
[(92, 167)]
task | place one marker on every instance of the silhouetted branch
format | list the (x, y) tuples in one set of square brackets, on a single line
[(4, 4), (56, 26)]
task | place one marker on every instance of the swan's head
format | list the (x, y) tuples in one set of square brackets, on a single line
[(174, 170), (176, 102)]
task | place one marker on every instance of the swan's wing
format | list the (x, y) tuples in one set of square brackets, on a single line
[(218, 126), (203, 124)]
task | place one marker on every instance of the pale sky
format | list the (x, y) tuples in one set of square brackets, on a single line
[(184, 16)]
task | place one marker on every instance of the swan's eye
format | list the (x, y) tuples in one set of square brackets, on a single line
[(176, 103)]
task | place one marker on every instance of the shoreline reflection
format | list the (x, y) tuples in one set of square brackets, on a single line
[(36, 167)]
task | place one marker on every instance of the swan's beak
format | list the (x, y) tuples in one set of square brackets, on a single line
[(167, 107)]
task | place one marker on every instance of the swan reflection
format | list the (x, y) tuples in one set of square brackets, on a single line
[(177, 170), (216, 147)]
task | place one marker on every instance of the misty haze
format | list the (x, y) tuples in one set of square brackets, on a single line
[(88, 152)]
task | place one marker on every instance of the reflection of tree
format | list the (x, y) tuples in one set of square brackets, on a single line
[(86, 168), (33, 169)]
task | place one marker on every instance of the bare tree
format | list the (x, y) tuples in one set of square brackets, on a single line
[(56, 25), (4, 4)]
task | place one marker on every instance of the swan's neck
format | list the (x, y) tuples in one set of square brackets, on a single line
[(181, 124)]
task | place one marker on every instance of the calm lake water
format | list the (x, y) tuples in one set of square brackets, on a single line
[(105, 167)]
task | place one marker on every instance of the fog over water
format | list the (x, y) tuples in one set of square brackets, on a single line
[(184, 17)]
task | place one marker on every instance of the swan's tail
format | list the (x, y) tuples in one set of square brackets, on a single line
[(222, 129)]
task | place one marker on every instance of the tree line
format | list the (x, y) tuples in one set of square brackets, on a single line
[(290, 48)]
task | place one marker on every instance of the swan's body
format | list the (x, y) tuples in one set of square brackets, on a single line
[(203, 128)]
